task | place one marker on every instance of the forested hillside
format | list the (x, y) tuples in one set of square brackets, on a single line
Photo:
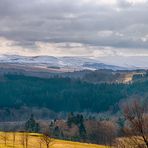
[(65, 94)]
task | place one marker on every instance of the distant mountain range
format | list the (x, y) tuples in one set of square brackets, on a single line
[(75, 63)]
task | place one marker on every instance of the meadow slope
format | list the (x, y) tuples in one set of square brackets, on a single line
[(34, 141)]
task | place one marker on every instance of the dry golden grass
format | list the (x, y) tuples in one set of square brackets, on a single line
[(34, 142)]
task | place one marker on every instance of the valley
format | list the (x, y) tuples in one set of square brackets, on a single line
[(75, 103)]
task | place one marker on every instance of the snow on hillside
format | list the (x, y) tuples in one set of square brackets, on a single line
[(68, 62)]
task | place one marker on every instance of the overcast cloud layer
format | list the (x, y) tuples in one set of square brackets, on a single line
[(94, 28)]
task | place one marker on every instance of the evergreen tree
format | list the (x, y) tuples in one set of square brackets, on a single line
[(78, 120), (82, 131), (70, 119), (31, 125)]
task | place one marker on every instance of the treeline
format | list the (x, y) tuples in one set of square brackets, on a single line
[(66, 94), (129, 130), (76, 128)]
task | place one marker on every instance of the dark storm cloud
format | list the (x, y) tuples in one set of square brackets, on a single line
[(116, 24)]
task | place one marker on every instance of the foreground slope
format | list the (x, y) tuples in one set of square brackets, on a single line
[(34, 141)]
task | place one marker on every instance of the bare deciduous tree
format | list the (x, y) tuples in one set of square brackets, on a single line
[(101, 132), (46, 139), (26, 136), (5, 137), (13, 138), (40, 142), (24, 139), (136, 129)]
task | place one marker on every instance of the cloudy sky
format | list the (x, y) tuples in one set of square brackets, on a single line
[(95, 28)]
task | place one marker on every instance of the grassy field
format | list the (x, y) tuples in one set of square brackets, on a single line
[(34, 141)]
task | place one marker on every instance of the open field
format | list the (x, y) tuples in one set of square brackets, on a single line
[(34, 141)]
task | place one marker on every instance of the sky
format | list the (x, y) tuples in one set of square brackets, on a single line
[(91, 28)]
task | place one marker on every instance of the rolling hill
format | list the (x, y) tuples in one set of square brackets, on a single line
[(34, 142), (67, 63)]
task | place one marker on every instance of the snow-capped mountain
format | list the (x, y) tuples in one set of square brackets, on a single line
[(77, 63), (103, 66)]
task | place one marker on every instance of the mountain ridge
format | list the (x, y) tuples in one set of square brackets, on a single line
[(75, 63)]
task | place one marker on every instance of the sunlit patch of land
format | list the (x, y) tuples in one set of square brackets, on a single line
[(129, 77), (34, 141)]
